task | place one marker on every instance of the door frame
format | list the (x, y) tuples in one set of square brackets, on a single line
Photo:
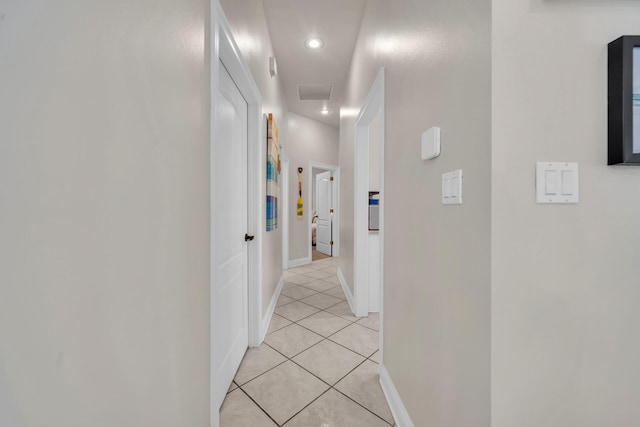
[(335, 195), (372, 106), (316, 173), (284, 195), (224, 48)]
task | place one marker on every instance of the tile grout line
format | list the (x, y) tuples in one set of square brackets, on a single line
[(313, 345), (333, 386), (318, 292), (311, 330), (275, 330), (327, 338), (268, 370), (365, 326), (359, 404), (348, 373), (261, 408), (290, 359), (306, 406), (352, 322), (344, 376), (287, 358), (312, 289), (323, 294), (319, 310), (322, 309)]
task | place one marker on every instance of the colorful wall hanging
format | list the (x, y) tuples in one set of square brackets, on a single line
[(273, 171), (300, 210)]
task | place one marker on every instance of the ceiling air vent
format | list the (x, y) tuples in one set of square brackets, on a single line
[(314, 92)]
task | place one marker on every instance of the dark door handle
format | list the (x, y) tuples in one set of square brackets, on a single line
[(248, 238)]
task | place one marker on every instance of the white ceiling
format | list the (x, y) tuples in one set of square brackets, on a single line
[(337, 23)]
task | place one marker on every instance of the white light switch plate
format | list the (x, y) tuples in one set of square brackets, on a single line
[(557, 182), (452, 188)]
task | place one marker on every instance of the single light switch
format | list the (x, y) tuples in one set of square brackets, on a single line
[(556, 182), (567, 183), (551, 183), (452, 188)]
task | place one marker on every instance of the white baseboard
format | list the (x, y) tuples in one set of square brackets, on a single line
[(299, 262), (266, 320), (347, 291), (399, 412)]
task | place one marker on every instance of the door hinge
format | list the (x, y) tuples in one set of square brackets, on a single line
[(331, 243), (331, 179), (330, 210)]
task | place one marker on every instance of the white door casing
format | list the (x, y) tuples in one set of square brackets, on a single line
[(284, 194), (372, 109), (323, 210), (335, 219), (224, 50), (230, 225)]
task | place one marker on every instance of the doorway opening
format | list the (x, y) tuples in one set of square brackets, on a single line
[(369, 205), (324, 219)]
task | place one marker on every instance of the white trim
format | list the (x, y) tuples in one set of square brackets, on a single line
[(272, 307), (347, 291), (335, 226), (283, 211), (381, 234), (299, 262), (225, 49), (398, 410), (215, 86), (256, 223), (229, 54), (372, 106)]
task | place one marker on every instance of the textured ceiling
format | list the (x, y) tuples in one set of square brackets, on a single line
[(337, 23)]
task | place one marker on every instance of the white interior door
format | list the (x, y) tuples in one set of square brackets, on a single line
[(323, 207), (229, 258)]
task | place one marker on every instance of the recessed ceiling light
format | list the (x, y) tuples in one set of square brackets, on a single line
[(314, 43), (325, 111)]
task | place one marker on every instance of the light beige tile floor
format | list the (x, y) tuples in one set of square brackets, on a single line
[(317, 365), (238, 410), (362, 386), (277, 322)]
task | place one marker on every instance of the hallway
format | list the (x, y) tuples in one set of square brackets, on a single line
[(318, 364)]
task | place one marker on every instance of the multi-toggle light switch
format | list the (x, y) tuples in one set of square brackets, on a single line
[(452, 188), (556, 182)]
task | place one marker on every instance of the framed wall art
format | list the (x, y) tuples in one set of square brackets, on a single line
[(273, 172), (624, 101)]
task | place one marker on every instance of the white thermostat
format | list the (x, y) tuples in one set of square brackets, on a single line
[(431, 143)]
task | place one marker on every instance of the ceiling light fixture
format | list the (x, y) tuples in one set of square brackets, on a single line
[(314, 43), (325, 111)]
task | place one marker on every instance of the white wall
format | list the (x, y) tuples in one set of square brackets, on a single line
[(308, 141), (437, 56), (104, 214), (565, 278), (249, 25)]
